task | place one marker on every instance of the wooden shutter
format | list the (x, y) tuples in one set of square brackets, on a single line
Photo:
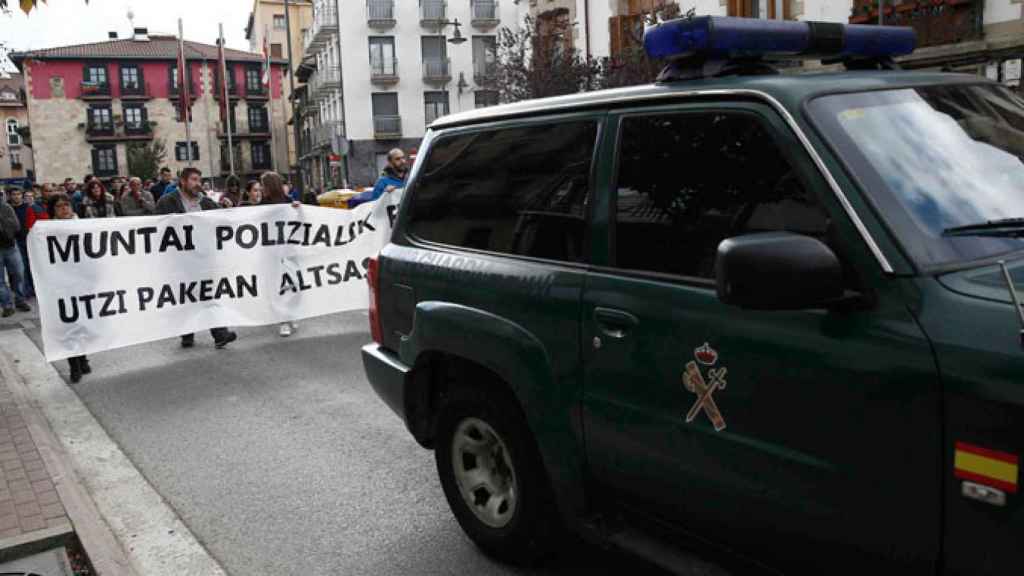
[(95, 161)]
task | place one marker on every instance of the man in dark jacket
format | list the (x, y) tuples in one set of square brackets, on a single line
[(10, 262), (160, 187), (187, 197)]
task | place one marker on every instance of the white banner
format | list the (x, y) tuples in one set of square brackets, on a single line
[(112, 282)]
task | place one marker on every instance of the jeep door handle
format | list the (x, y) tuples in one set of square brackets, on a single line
[(614, 323)]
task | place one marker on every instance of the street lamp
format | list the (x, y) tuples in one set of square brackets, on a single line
[(457, 38)]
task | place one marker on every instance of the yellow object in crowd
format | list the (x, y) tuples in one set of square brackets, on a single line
[(336, 198)]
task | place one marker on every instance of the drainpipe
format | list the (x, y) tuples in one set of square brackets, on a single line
[(341, 90), (586, 26)]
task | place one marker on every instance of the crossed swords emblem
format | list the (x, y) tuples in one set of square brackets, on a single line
[(694, 382)]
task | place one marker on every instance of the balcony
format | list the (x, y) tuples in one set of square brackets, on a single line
[(95, 90), (936, 22), (218, 91), (193, 91), (328, 132), (437, 70), (107, 133), (433, 13), (380, 14), (484, 73), (384, 71), (326, 81), (325, 24), (256, 92), (484, 13), (139, 91), (387, 127)]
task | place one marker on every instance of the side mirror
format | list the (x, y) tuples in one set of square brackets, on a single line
[(777, 271)]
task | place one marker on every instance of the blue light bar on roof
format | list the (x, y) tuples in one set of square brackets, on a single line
[(720, 37)]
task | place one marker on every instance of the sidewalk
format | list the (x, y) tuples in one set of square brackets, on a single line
[(123, 524)]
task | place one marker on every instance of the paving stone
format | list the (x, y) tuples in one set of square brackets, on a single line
[(37, 475), (24, 496), (52, 510), (10, 532), (12, 464), (48, 497), (42, 485), (19, 485), (30, 523), (28, 509), (8, 521)]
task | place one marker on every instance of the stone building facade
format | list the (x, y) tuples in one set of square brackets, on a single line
[(89, 103), (15, 145)]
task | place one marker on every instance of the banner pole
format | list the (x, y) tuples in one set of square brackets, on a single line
[(183, 80), (228, 113)]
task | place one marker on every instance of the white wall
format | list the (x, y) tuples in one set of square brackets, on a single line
[(1002, 11)]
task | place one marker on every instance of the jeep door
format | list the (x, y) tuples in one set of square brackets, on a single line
[(801, 434)]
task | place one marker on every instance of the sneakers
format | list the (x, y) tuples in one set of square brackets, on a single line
[(8, 312), (286, 329), (188, 341), (23, 306), (84, 365), (227, 339)]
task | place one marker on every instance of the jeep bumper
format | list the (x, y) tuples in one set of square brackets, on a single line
[(388, 376)]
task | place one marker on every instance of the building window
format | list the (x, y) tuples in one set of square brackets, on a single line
[(261, 155), (382, 56), (104, 161), (15, 160), (435, 105), (135, 118), (435, 57), (386, 121), (258, 119), (254, 79), (96, 74), (485, 53), (175, 82), (131, 79), (100, 120), (485, 98), (13, 138), (232, 83), (275, 51), (181, 151), (279, 22)]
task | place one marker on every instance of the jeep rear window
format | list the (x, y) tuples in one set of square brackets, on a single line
[(518, 190), (932, 159)]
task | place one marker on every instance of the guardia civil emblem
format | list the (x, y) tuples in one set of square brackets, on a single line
[(703, 379)]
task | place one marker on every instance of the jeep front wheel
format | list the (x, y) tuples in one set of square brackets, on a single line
[(493, 478)]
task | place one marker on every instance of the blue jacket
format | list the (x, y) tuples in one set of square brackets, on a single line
[(388, 178)]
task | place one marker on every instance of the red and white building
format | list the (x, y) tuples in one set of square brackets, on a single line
[(89, 103)]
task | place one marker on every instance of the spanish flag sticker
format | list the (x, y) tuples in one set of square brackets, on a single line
[(985, 466)]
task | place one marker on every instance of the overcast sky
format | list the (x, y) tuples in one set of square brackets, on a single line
[(63, 22)]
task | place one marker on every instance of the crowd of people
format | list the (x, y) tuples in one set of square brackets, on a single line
[(126, 197)]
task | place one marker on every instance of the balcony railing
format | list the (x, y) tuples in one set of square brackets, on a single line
[(328, 132), (484, 72), (256, 91), (484, 13), (387, 127), (433, 12), (325, 23), (437, 70), (384, 70), (380, 13), (105, 132), (139, 91), (100, 129), (95, 90), (936, 22), (325, 81), (432, 113), (139, 129), (193, 90)]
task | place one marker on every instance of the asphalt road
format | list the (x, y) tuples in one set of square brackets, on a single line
[(280, 458)]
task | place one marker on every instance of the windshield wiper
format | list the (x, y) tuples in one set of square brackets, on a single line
[(1004, 227)]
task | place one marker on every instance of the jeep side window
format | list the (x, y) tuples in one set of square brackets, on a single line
[(516, 190), (687, 181)]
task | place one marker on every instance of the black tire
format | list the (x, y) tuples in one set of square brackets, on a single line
[(532, 530)]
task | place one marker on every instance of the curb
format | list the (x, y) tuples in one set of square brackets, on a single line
[(124, 525), (34, 542)]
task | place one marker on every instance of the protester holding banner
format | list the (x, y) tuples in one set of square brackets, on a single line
[(97, 202), (59, 208), (232, 195), (253, 194), (274, 192), (393, 178), (188, 197), (137, 201)]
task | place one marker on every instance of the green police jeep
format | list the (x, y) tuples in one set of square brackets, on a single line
[(772, 313)]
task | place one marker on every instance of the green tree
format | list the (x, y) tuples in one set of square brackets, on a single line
[(26, 5), (145, 159)]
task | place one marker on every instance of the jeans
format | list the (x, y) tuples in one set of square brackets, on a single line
[(27, 287), (10, 266)]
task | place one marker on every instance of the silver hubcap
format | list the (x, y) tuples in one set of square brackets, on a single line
[(484, 473)]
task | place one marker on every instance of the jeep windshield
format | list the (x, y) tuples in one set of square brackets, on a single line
[(943, 165)]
